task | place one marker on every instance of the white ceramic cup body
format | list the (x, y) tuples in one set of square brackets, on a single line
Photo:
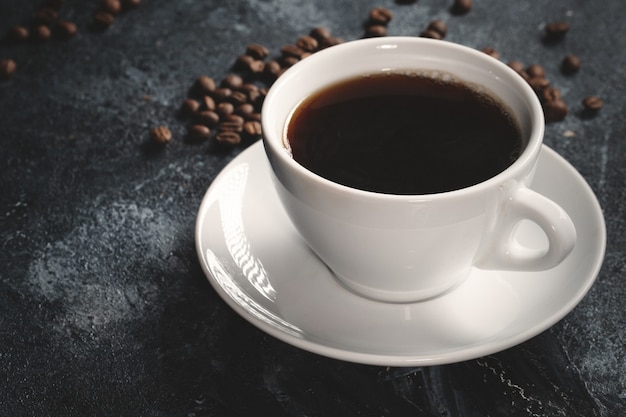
[(406, 248)]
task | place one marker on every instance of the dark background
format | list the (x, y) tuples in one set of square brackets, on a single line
[(104, 309)]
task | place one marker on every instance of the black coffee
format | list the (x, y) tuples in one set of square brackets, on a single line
[(404, 134)]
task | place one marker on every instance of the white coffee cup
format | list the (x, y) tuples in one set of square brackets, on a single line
[(407, 248)]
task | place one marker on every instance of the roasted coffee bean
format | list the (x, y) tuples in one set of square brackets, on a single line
[(535, 70), (307, 43), (42, 33), (207, 118), (18, 33), (374, 31), (555, 110), (161, 135), (224, 109), (438, 26), (491, 52), (292, 51), (230, 127), (320, 34), (380, 16), (66, 29), (570, 64), (228, 138), (252, 128), (551, 94), (253, 117), (517, 66), (287, 61), (461, 7), (131, 4), (102, 20), (328, 42), (46, 16), (256, 66), (556, 30), (207, 103), (221, 93), (237, 98), (243, 62), (272, 69), (198, 132), (431, 34), (111, 6), (7, 68), (244, 109), (257, 51), (593, 103), (203, 85), (232, 81), (190, 107), (538, 83), (251, 91)]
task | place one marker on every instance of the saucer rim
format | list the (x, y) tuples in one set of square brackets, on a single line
[(385, 359)]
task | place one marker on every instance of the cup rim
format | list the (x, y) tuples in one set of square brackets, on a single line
[(273, 141)]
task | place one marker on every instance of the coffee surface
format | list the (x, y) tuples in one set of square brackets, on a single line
[(403, 134)]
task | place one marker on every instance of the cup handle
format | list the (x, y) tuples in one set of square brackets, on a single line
[(503, 252)]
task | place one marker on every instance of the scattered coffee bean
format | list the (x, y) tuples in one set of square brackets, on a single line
[(380, 16), (328, 42), (438, 26), (224, 109), (491, 52), (252, 128), (7, 68), (307, 43), (111, 6), (190, 107), (291, 51), (257, 51), (461, 7), (593, 103), (244, 109), (66, 29), (199, 132), (207, 118), (272, 69), (203, 86), (373, 31), (570, 64), (161, 135), (551, 94), (535, 70), (251, 91), (320, 34), (518, 67), (232, 81), (228, 138), (230, 127), (18, 34), (556, 30), (42, 33), (555, 111), (102, 20), (207, 103), (222, 93), (538, 83)]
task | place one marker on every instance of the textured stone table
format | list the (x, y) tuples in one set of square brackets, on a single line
[(104, 309)]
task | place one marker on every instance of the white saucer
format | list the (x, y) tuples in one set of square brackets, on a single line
[(260, 266)]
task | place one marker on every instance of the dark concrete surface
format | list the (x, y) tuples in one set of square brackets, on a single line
[(104, 310)]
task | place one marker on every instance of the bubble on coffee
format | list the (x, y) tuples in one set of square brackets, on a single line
[(404, 132)]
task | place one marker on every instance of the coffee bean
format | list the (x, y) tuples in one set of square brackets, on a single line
[(203, 85), (555, 111), (461, 7), (207, 103), (518, 67), (438, 26), (380, 16), (253, 117), (66, 29), (374, 31), (224, 109), (536, 70), (228, 138), (570, 64), (328, 42), (18, 33), (198, 132), (556, 30), (491, 52), (111, 6), (287, 61), (222, 93), (307, 43), (593, 103), (102, 20), (46, 16), (538, 83), (190, 107), (232, 81), (272, 69), (42, 33), (257, 51), (291, 51), (244, 109), (551, 94), (251, 91), (431, 34), (161, 135), (7, 68), (207, 118), (230, 127), (320, 34), (252, 128)]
